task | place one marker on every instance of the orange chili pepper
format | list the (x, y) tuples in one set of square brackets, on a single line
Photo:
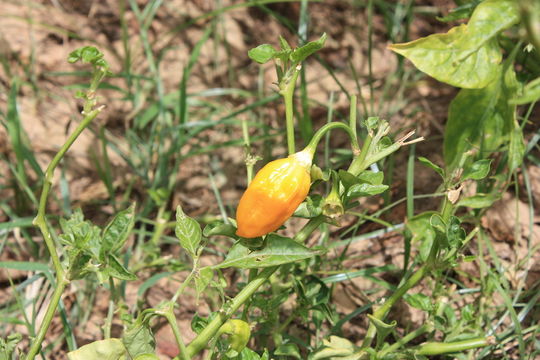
[(274, 194)]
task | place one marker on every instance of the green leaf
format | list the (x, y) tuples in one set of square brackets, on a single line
[(300, 54), (468, 55), (289, 349), (139, 340), (481, 118), (422, 231), (79, 264), (431, 165), (187, 231), (278, 250), (109, 349), (365, 189), (117, 270), (248, 354), (478, 201), (347, 179), (372, 123), (203, 278), (151, 281), (80, 235), (8, 345), (478, 170), (371, 177), (437, 223), (89, 55), (310, 208), (115, 234), (455, 233), (262, 53), (490, 18), (461, 12), (284, 44), (530, 13), (419, 301), (450, 58), (529, 94)]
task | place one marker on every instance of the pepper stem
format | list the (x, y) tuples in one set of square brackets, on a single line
[(312, 146)]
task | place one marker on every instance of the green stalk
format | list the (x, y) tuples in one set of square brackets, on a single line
[(312, 146), (438, 348), (415, 278), (186, 281), (110, 311), (352, 117), (287, 91), (161, 226), (41, 223), (169, 315)]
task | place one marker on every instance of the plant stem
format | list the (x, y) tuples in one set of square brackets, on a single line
[(161, 225), (287, 91), (186, 281), (311, 147), (437, 348), (110, 312), (404, 340), (41, 223), (169, 315), (352, 117)]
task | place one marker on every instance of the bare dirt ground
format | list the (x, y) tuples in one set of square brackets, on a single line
[(36, 37)]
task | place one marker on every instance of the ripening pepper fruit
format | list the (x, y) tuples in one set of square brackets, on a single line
[(274, 194)]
